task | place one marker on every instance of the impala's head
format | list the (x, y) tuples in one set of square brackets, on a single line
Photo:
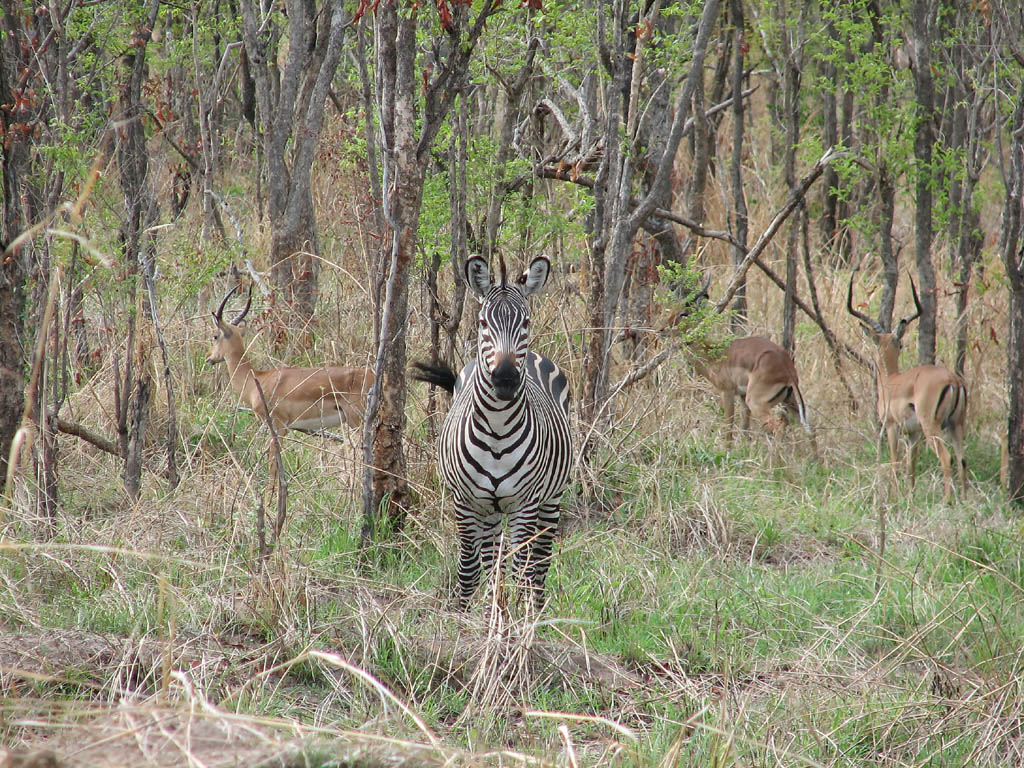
[(228, 335), (693, 301), (504, 330), (884, 339)]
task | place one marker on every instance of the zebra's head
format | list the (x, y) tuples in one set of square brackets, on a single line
[(504, 330)]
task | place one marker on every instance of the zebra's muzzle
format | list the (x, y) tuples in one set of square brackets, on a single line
[(506, 379)]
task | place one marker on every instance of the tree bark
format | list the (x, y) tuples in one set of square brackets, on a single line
[(1013, 259), (618, 220), (792, 48), (738, 322), (405, 157), (290, 103), (922, 26), (137, 239), (14, 263)]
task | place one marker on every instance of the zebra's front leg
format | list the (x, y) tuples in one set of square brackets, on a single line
[(532, 539), (478, 539), (543, 544)]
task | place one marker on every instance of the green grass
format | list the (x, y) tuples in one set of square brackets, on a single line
[(739, 591)]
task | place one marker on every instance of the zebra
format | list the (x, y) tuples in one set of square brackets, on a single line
[(505, 448)]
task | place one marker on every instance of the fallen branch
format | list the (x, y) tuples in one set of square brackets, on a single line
[(644, 370), (830, 337), (93, 438)]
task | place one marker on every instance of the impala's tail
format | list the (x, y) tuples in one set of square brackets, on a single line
[(953, 397), (801, 409), (439, 375)]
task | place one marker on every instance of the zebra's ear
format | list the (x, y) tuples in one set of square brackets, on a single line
[(534, 278), (478, 276)]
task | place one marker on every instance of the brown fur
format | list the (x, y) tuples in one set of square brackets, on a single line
[(927, 401), (307, 399), (763, 375)]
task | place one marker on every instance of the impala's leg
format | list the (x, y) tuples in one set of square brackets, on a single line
[(912, 449), (938, 446), (892, 434), (729, 414), (957, 437)]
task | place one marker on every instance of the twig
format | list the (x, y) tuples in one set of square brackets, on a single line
[(645, 370), (31, 390), (795, 196), (282, 487), (257, 278)]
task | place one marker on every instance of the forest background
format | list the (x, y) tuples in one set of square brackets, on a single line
[(755, 604)]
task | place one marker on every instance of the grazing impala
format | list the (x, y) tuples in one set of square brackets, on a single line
[(305, 399), (761, 373), (753, 368), (928, 400)]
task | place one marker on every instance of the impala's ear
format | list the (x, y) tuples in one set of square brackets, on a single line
[(534, 278), (478, 276)]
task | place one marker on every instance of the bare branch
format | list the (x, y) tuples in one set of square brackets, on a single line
[(795, 196), (93, 438)]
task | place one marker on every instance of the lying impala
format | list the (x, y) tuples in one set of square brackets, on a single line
[(305, 399), (761, 373), (928, 400)]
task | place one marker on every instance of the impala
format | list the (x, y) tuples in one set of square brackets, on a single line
[(753, 368), (309, 400), (927, 401), (761, 373)]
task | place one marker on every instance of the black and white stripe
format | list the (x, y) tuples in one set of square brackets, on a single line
[(505, 449)]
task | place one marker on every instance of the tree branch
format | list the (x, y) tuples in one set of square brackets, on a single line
[(795, 196), (93, 438)]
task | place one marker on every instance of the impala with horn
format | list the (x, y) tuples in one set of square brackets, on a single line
[(310, 400), (927, 401)]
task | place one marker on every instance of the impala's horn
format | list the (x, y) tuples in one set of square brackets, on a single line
[(906, 321), (219, 314), (866, 321), (241, 315)]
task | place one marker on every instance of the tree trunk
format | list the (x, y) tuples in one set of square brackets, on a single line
[(1013, 260), (14, 262), (617, 219), (290, 104), (137, 240), (830, 138), (458, 222), (1015, 388), (922, 25), (792, 48), (405, 158), (889, 258), (738, 322)]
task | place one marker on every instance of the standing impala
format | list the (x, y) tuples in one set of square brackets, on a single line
[(306, 399), (928, 400)]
